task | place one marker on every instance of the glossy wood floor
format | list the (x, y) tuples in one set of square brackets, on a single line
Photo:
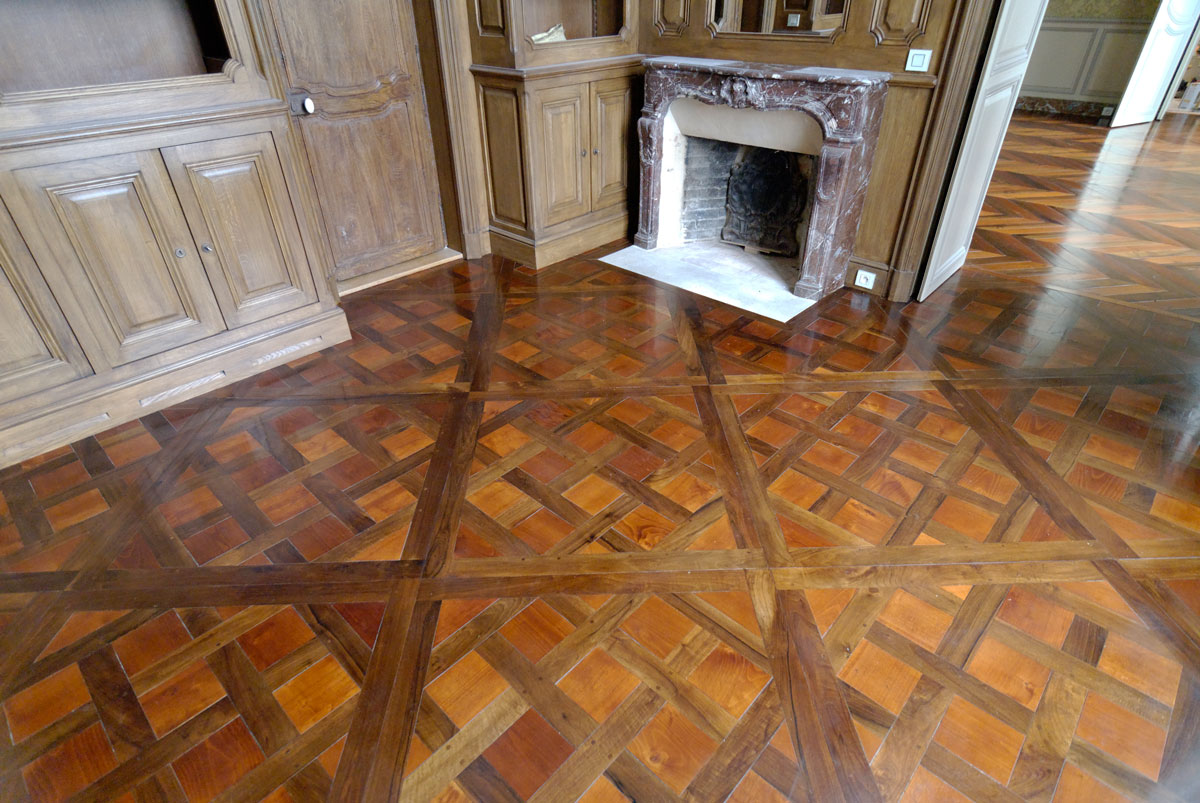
[(569, 535)]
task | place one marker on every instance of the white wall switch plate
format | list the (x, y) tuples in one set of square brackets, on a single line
[(865, 279), (918, 60), (793, 21)]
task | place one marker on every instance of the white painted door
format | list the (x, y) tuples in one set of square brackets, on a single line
[(1154, 75), (1003, 71)]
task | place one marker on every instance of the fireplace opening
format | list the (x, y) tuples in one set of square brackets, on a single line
[(754, 178), (757, 198)]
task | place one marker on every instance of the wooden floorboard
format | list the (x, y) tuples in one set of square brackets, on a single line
[(572, 535)]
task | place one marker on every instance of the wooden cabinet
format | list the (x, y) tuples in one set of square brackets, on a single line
[(159, 234), (112, 242), (237, 205), (37, 348), (569, 163)]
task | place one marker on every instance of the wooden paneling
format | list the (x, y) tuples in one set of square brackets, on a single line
[(671, 16), (562, 144), (490, 14), (612, 143), (111, 239), (899, 22), (37, 349), (55, 44), (369, 143), (501, 113), (239, 211), (921, 115)]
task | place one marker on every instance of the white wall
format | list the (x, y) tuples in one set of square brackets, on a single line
[(1084, 60)]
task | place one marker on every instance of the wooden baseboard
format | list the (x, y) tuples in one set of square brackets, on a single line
[(72, 419), (347, 286), (879, 270), (547, 252)]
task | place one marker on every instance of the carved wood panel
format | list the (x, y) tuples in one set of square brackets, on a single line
[(899, 22), (490, 14), (612, 103), (506, 170), (37, 349), (672, 17), (564, 142), (369, 142), (113, 244), (234, 193)]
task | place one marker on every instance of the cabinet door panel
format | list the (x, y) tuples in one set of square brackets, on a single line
[(369, 143), (113, 245), (612, 102), (237, 204), (37, 350), (564, 142), (373, 197)]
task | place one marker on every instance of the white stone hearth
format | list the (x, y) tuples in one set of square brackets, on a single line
[(727, 273)]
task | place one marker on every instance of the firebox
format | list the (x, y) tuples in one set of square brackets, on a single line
[(770, 158)]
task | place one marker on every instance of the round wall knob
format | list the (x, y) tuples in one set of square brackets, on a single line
[(206, 248), (308, 106), (179, 252)]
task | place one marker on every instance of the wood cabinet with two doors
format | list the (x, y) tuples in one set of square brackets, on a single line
[(159, 234), (119, 261), (559, 90), (558, 144)]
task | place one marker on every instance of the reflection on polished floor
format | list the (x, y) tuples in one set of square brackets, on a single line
[(569, 535)]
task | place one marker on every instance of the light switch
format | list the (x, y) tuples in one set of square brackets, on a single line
[(793, 20), (918, 60)]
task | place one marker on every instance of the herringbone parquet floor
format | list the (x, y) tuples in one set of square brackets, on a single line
[(570, 535)]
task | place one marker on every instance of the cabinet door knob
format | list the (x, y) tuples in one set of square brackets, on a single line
[(595, 151), (206, 248), (308, 106), (583, 152), (179, 252)]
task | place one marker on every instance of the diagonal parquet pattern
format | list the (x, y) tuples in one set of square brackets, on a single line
[(571, 535)]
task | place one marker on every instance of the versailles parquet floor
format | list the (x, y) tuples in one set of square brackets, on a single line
[(569, 535)]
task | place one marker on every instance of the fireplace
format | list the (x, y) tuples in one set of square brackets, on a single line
[(773, 159)]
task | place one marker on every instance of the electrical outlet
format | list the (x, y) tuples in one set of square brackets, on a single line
[(918, 60), (865, 279), (793, 20), (1108, 111)]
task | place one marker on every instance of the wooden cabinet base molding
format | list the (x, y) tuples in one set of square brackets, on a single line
[(538, 254), (36, 424), (352, 285)]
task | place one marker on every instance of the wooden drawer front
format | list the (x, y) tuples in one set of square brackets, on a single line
[(238, 206), (112, 242), (611, 113), (37, 350), (564, 140)]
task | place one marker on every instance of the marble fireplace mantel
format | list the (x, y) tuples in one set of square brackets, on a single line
[(847, 105)]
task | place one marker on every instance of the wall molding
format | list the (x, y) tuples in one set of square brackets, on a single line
[(1084, 60), (672, 17), (899, 22)]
